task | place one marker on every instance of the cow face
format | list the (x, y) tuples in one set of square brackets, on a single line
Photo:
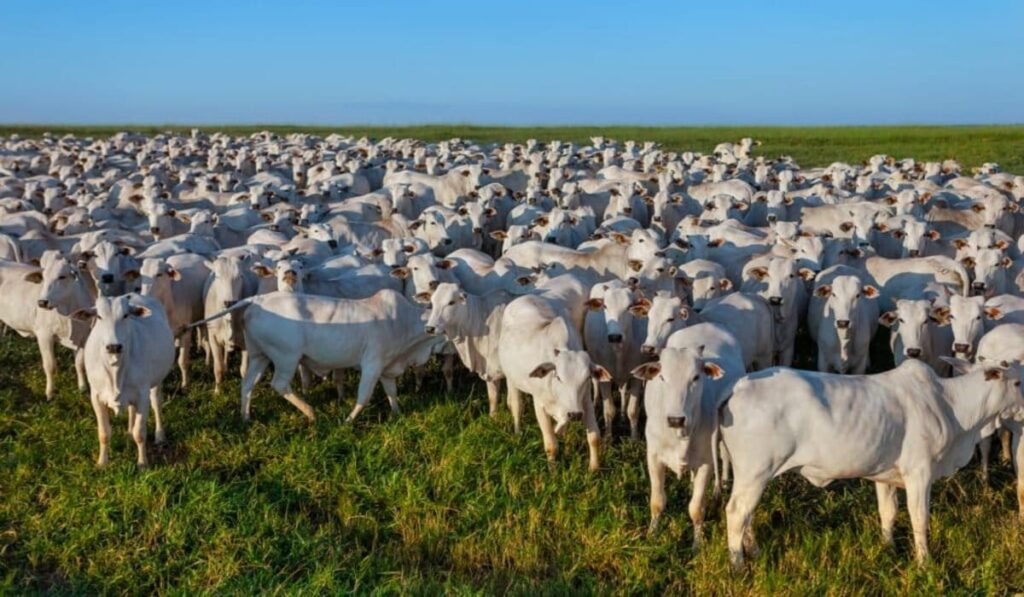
[(676, 384), (967, 317), (665, 314), (446, 304), (910, 323), (568, 379)]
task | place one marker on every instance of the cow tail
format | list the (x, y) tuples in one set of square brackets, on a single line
[(238, 305)]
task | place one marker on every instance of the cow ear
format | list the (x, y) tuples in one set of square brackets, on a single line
[(647, 371), (618, 237), (823, 291), (870, 291), (185, 218), (490, 212), (262, 271), (715, 243), (806, 273), (636, 265), (959, 243), (173, 274), (888, 318), (994, 374), (882, 227), (446, 264), (935, 234), (978, 208), (423, 297), (898, 234), (85, 314), (400, 272), (940, 315), (139, 311), (713, 371), (846, 226), (599, 373), (640, 308), (499, 235), (595, 304), (131, 275), (759, 273), (542, 370), (415, 224), (725, 284), (968, 262), (266, 217), (34, 277), (1006, 262), (993, 313), (1001, 244)]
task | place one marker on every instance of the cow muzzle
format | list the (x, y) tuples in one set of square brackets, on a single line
[(843, 324), (676, 422), (961, 348), (772, 219), (446, 241), (648, 350), (154, 230), (332, 244), (107, 278), (615, 338), (914, 253), (115, 348), (775, 301), (913, 353), (430, 330), (978, 287), (44, 304)]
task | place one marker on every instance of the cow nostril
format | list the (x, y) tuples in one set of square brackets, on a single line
[(647, 349), (615, 338), (576, 416), (843, 324), (915, 253), (446, 241), (775, 300), (676, 422), (960, 347), (43, 304), (107, 278), (115, 348), (154, 229), (656, 218), (913, 352), (478, 231), (773, 219), (430, 329)]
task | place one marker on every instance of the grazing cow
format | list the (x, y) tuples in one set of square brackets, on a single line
[(906, 427), (129, 353)]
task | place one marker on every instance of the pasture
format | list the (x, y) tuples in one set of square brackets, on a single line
[(442, 497)]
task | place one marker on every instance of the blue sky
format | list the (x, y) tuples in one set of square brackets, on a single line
[(512, 62)]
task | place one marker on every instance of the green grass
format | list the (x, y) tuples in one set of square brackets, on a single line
[(441, 498), (810, 146)]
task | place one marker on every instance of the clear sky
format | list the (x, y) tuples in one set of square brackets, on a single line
[(512, 62)]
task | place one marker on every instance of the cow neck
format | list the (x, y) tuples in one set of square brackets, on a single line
[(971, 410)]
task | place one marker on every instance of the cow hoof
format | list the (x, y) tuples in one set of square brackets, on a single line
[(160, 437)]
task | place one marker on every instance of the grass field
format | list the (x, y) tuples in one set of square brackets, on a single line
[(443, 498), (810, 146)]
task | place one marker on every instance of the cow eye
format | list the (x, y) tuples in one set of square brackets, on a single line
[(696, 377), (978, 318), (900, 320), (451, 302), (671, 319), (62, 277)]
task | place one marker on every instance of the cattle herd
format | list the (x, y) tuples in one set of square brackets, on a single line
[(675, 287)]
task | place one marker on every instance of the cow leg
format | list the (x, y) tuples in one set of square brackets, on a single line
[(184, 348), (156, 399), (696, 506), (984, 448), (139, 429), (633, 409), (367, 381), (131, 418), (887, 507), (608, 406), (282, 383), (726, 461), (1018, 467), (918, 504), (1004, 441), (304, 378), (448, 370), (746, 493), (45, 342), (593, 434), (391, 390), (244, 366), (492, 397), (102, 430), (547, 431), (656, 472), (83, 385), (219, 362), (515, 406), (339, 382), (257, 365)]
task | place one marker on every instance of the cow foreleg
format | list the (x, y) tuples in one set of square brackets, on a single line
[(515, 406), (547, 431), (448, 370), (887, 508), (391, 391), (83, 385), (656, 472), (185, 346), (919, 505), (633, 408), (696, 505), (493, 389), (593, 434), (45, 342), (257, 365), (102, 430), (156, 400), (608, 406), (141, 415), (367, 381), (746, 493), (984, 449)]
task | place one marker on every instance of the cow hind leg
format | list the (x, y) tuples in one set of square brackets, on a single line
[(367, 381), (918, 504), (339, 382), (391, 390), (984, 449), (1018, 466), (185, 346), (257, 365), (608, 406), (1004, 440), (593, 435), (282, 383), (633, 408), (547, 431), (515, 406), (492, 397), (746, 493)]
